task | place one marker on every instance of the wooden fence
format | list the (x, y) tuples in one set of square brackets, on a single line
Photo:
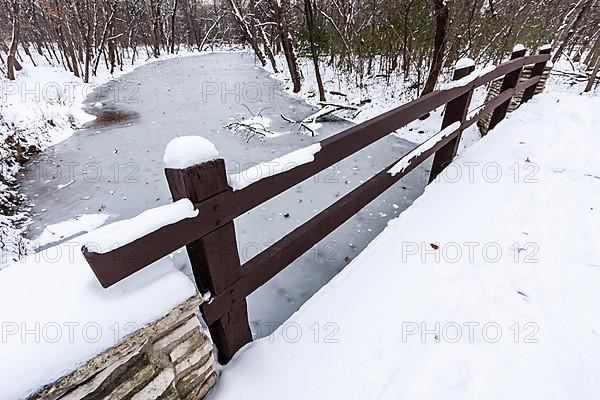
[(210, 237)]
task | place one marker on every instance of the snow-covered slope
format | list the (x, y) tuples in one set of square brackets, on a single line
[(485, 288)]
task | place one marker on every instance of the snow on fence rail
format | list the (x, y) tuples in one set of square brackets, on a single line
[(210, 236)]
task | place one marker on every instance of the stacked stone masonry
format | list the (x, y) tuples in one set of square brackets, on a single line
[(171, 359), (494, 91)]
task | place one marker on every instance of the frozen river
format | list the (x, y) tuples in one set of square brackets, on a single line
[(113, 169)]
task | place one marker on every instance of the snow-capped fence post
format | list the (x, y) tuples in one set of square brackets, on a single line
[(456, 111), (214, 257), (538, 70), (509, 82)]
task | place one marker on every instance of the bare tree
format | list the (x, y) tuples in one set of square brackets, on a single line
[(310, 24), (281, 11), (247, 31), (596, 64), (441, 13), (12, 62)]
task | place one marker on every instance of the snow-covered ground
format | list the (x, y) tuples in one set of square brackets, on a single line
[(486, 287), (373, 95)]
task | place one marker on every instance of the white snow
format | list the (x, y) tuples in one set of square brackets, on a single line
[(464, 63), (276, 166), (64, 230), (187, 151), (546, 47), (404, 162), (518, 47), (469, 78), (486, 70), (462, 81), (123, 232), (485, 288), (55, 315), (258, 121)]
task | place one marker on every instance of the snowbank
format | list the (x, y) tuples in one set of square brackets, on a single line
[(55, 315), (485, 288), (375, 94)]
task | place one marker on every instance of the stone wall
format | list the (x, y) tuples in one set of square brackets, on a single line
[(171, 359), (515, 102)]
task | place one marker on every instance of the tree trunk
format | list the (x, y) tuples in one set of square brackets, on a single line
[(267, 47), (12, 62), (572, 29), (441, 27), (156, 31), (594, 75), (281, 9), (308, 11), (173, 14), (247, 32)]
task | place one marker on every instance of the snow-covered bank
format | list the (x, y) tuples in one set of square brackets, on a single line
[(486, 287), (374, 95)]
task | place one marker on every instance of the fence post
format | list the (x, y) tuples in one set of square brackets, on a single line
[(509, 82), (214, 258), (456, 110), (538, 70)]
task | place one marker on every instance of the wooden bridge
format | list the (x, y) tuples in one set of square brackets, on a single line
[(210, 237)]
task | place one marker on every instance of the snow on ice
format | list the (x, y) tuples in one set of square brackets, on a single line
[(62, 230)]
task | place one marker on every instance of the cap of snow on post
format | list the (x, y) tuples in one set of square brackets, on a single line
[(518, 47), (464, 63), (187, 151)]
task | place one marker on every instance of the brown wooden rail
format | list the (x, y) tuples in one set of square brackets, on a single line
[(210, 237)]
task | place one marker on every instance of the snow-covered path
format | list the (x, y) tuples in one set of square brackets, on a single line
[(112, 172), (485, 288)]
